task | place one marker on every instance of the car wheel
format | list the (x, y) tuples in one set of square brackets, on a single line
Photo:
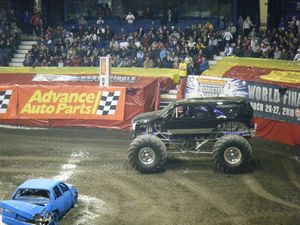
[(148, 154), (232, 153), (55, 217)]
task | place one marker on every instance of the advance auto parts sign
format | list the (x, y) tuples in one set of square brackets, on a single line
[(69, 102)]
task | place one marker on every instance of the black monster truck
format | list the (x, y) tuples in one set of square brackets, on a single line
[(220, 126)]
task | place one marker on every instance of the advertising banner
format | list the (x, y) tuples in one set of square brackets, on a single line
[(292, 77), (205, 86), (8, 101), (62, 102), (268, 101), (275, 102), (80, 78)]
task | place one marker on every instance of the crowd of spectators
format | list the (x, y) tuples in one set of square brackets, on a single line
[(160, 47), (9, 35), (247, 40), (164, 46)]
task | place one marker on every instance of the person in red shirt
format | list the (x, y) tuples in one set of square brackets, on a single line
[(37, 23)]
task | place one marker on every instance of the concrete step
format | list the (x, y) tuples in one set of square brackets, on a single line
[(163, 104), (212, 62), (17, 60), (217, 58), (15, 64), (19, 51), (25, 47), (18, 55), (29, 38), (174, 92), (30, 43), (168, 96), (222, 54)]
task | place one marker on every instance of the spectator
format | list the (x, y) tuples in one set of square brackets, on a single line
[(169, 16), (100, 21), (148, 13), (12, 19), (163, 54), (201, 62), (297, 56), (228, 51), (37, 23), (247, 25), (82, 22), (140, 57), (148, 63), (227, 36), (284, 54), (140, 14), (232, 29), (240, 23), (130, 18), (26, 23), (277, 53), (190, 65)]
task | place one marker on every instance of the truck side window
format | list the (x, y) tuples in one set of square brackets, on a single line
[(57, 192), (201, 112), (63, 187)]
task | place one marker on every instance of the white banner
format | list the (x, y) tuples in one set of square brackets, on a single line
[(206, 86), (79, 78)]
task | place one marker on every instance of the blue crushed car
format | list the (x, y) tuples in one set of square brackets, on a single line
[(40, 202)]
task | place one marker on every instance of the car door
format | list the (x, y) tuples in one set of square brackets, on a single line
[(67, 195), (59, 201), (189, 119)]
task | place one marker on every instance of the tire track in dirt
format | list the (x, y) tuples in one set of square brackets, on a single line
[(292, 157), (153, 195), (144, 192), (251, 182), (214, 199), (291, 173), (189, 193)]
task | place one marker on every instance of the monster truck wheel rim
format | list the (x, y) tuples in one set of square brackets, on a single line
[(232, 155), (146, 156)]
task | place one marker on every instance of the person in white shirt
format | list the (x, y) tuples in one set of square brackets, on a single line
[(228, 51), (124, 44), (247, 25), (227, 36), (130, 18), (297, 56), (100, 21)]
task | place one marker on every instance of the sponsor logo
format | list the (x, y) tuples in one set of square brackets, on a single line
[(4, 100)]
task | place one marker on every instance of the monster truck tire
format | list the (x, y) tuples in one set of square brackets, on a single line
[(147, 154), (232, 153)]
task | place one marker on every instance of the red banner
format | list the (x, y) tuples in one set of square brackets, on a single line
[(64, 102)]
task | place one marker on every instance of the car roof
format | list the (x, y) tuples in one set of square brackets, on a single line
[(211, 100), (39, 184)]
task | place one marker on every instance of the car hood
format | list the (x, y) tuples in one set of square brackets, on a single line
[(24, 209), (146, 117)]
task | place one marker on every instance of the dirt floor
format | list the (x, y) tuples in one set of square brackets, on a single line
[(191, 191)]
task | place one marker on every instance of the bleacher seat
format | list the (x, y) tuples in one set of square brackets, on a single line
[(116, 24)]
